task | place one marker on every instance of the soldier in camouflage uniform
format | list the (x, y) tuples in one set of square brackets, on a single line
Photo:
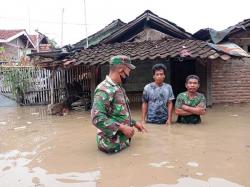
[(110, 112), (191, 104)]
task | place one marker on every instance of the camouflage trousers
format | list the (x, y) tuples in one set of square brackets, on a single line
[(112, 145)]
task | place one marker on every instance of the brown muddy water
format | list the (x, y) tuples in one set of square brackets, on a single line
[(60, 151)]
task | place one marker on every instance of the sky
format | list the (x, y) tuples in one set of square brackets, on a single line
[(47, 16)]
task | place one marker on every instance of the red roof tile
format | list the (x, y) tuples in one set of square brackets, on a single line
[(33, 39), (166, 48), (6, 34)]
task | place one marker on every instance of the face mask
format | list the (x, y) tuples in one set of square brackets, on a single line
[(124, 79)]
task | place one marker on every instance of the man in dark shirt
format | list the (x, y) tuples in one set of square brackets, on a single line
[(157, 98)]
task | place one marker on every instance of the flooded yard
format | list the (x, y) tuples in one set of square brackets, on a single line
[(37, 149)]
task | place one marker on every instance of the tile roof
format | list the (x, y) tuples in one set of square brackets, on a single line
[(41, 39), (101, 34), (152, 20), (33, 39), (241, 26), (6, 34), (139, 51)]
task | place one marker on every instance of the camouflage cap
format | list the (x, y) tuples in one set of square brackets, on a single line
[(122, 59)]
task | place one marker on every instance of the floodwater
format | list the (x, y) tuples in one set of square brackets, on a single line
[(5, 102), (60, 151)]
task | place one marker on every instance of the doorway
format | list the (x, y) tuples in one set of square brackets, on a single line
[(179, 71)]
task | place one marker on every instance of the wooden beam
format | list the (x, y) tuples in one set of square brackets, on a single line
[(93, 82), (52, 76), (209, 83)]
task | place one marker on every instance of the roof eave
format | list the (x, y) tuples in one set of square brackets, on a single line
[(18, 35), (147, 16)]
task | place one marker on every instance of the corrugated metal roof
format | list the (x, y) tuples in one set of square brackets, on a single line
[(220, 36)]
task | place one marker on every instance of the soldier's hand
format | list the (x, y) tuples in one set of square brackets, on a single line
[(140, 127), (126, 130)]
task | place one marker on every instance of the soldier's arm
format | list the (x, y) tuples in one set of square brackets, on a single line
[(194, 110), (178, 107), (202, 104), (99, 114), (182, 112), (200, 109)]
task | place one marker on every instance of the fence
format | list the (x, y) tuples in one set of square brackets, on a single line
[(37, 83)]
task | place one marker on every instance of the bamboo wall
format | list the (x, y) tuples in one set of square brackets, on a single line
[(39, 82)]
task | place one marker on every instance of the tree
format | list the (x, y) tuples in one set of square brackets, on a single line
[(3, 58), (52, 43), (18, 80)]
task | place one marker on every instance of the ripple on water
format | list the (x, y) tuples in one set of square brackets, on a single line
[(191, 182), (193, 164), (15, 172)]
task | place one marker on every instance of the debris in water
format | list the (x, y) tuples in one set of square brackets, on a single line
[(135, 154), (234, 115), (19, 128), (160, 164), (35, 113), (80, 117), (199, 174), (170, 167), (188, 181), (193, 164), (2, 122)]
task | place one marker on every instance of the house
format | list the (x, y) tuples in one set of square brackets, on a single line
[(150, 39), (147, 26), (238, 34), (14, 44), (100, 35), (61, 53), (230, 80), (41, 42)]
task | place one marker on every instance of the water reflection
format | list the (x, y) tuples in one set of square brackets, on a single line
[(191, 182), (37, 149), (15, 172)]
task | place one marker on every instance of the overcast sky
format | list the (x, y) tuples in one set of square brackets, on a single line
[(46, 15)]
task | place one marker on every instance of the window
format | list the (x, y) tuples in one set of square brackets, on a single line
[(248, 48)]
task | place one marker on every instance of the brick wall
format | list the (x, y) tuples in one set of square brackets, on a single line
[(242, 39), (230, 81)]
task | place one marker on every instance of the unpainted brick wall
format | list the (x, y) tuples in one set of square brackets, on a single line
[(231, 81)]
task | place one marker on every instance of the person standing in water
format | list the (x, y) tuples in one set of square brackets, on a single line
[(190, 105), (157, 106), (110, 112)]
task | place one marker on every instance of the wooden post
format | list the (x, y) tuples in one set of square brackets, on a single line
[(209, 83), (52, 86), (63, 86), (93, 81)]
